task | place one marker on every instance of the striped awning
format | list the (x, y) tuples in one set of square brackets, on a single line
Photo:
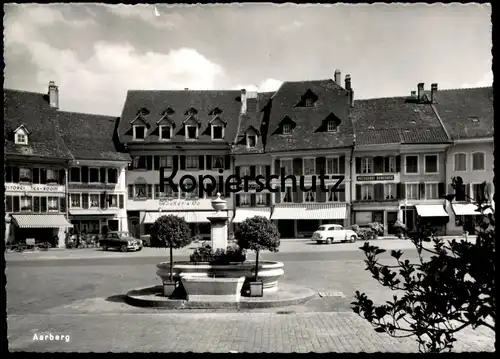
[(93, 212), (40, 221), (189, 216), (151, 217), (469, 209), (244, 213), (431, 210), (314, 211)]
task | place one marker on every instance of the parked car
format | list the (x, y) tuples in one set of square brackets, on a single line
[(330, 233), (146, 240), (124, 241)]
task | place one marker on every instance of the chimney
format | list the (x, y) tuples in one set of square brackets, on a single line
[(337, 77), (350, 91), (348, 82), (243, 101), (53, 95), (434, 88), (420, 91), (186, 88)]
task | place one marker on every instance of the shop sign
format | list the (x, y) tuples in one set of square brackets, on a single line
[(12, 187), (375, 178), (172, 203), (102, 186)]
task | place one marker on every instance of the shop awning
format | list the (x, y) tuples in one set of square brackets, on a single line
[(189, 216), (469, 209), (93, 212), (315, 211), (41, 221), (244, 213), (151, 217), (431, 210)]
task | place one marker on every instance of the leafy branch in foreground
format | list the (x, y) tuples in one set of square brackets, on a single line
[(450, 291)]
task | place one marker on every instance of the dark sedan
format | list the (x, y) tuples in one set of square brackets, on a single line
[(124, 241)]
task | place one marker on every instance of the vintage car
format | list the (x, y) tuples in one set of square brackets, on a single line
[(124, 241), (330, 233)]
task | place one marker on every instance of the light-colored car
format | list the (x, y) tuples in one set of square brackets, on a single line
[(330, 233)]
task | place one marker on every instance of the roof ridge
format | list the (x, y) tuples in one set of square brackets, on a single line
[(26, 91), (89, 114), (466, 88)]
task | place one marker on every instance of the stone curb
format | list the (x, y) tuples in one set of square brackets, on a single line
[(163, 303)]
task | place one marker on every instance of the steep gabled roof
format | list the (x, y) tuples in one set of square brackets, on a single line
[(332, 98), (33, 111), (457, 108), (394, 120), (203, 101)]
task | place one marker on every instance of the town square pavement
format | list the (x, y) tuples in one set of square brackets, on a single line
[(78, 294)]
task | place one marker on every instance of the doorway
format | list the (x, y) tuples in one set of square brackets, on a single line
[(113, 225), (286, 227), (392, 217)]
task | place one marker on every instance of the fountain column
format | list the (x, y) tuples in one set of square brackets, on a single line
[(218, 224)]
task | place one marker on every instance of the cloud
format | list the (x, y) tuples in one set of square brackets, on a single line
[(486, 81), (291, 26), (98, 84), (267, 85), (147, 14)]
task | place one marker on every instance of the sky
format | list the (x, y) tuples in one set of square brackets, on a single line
[(96, 52)]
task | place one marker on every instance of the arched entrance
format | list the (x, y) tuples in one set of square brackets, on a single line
[(134, 226)]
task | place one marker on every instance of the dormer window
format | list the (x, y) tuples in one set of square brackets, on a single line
[(308, 99), (139, 132), (165, 132), (251, 141), (331, 126), (191, 132), (21, 135), (309, 102), (217, 132), (287, 129)]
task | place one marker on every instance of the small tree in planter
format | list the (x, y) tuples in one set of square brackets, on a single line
[(172, 232), (400, 228), (257, 233)]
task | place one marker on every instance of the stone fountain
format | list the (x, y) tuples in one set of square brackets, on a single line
[(218, 224)]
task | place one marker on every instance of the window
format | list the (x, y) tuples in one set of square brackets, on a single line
[(288, 166), (309, 164), (389, 191), (244, 199), (112, 175), (287, 196), (26, 203), (261, 199), (166, 161), (367, 165), (139, 132), (113, 200), (431, 191), (411, 164), (192, 132), (244, 171), (52, 176), (191, 188), (477, 192), (431, 163), (94, 201), (331, 126), (21, 138), (74, 174), (53, 204), (75, 200), (367, 192), (93, 175), (392, 164), (165, 132), (140, 191), (460, 162), (25, 174), (478, 161), (217, 132), (260, 170), (192, 162), (332, 165), (309, 196), (217, 162), (287, 129), (251, 141), (412, 191), (140, 162)]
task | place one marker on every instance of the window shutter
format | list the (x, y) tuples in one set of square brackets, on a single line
[(253, 200), (102, 175), (43, 176), (268, 171), (268, 199), (209, 162), (342, 165), (36, 204), (358, 165), (298, 196), (201, 162), (62, 177), (8, 174), (85, 174), (277, 195), (358, 192), (8, 203), (421, 190), (252, 172), (175, 160), (378, 164), (85, 201), (15, 174), (320, 164), (149, 163), (103, 201), (237, 170), (441, 190), (378, 192), (297, 167), (342, 193), (62, 204), (386, 164), (183, 162), (150, 191), (398, 163), (227, 162), (156, 162), (401, 191), (36, 175), (16, 206), (43, 204), (277, 167), (130, 190), (320, 195), (237, 196), (467, 192), (122, 201)]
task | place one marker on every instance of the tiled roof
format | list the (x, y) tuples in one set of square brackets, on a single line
[(156, 102), (457, 109), (253, 119), (332, 99), (33, 111), (394, 120), (89, 136)]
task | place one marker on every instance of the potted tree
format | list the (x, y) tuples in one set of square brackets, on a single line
[(172, 232), (257, 233)]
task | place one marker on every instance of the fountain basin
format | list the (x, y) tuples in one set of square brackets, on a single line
[(269, 272), (212, 289)]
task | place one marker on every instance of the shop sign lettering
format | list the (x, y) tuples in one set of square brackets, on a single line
[(91, 186), (179, 203), (33, 188), (375, 178)]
